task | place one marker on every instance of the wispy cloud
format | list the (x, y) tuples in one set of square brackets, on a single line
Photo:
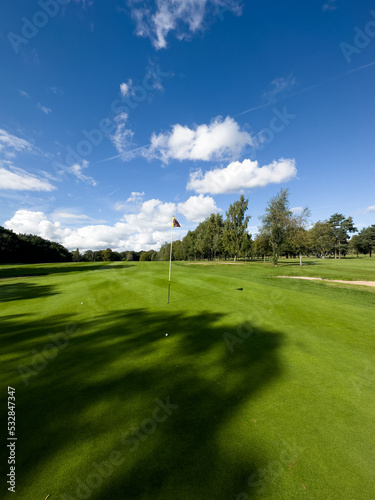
[(77, 171), (122, 139), (69, 216), (44, 108), (19, 180), (329, 5), (10, 143), (279, 87), (24, 93), (156, 20), (370, 209)]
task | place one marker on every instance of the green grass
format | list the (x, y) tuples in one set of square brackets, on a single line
[(285, 412)]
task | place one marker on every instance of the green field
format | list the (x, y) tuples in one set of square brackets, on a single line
[(263, 388)]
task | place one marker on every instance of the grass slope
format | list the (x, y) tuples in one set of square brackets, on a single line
[(270, 381)]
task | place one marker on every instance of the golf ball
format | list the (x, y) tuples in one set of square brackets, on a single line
[(166, 334)]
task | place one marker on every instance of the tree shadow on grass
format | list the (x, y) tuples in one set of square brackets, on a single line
[(25, 270), (98, 393), (24, 291)]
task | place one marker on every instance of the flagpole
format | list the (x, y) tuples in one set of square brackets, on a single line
[(170, 266)]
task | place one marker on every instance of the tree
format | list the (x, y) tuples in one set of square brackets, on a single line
[(188, 243), (355, 245), (246, 245), (88, 256), (262, 246), (107, 254), (298, 232), (321, 238), (76, 256), (367, 240), (340, 229), (235, 226), (276, 222)]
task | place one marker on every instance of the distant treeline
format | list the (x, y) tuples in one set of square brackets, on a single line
[(30, 249), (282, 233)]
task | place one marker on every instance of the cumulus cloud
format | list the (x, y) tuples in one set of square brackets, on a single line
[(20, 180), (197, 208), (77, 170), (29, 222), (156, 20), (218, 140), (136, 196), (238, 176), (146, 228)]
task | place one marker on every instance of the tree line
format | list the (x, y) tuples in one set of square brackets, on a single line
[(282, 233), (30, 249)]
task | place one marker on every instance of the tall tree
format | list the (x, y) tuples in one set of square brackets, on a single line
[(235, 226), (340, 229), (321, 238), (276, 222), (76, 256), (298, 232), (367, 240)]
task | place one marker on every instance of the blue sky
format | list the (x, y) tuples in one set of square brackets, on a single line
[(117, 115)]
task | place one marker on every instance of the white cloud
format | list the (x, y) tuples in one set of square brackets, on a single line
[(77, 171), (135, 199), (183, 17), (296, 210), (148, 227), (279, 86), (218, 140), (13, 143), (69, 216), (122, 139), (24, 94), (26, 221), (238, 176), (44, 108), (370, 209), (20, 180), (329, 5), (197, 208), (126, 88)]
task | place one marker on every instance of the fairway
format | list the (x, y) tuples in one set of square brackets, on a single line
[(263, 387)]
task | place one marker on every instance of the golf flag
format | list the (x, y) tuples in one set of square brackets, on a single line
[(175, 222)]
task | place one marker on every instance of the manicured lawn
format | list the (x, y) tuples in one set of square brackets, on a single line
[(263, 388)]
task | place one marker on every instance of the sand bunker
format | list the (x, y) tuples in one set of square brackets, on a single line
[(363, 283)]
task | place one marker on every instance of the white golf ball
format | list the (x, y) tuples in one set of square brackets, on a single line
[(81, 303), (166, 334)]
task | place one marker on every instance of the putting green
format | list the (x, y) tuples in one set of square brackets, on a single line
[(263, 387)]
